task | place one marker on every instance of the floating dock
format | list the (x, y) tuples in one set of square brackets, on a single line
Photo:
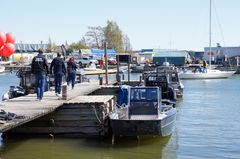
[(80, 113)]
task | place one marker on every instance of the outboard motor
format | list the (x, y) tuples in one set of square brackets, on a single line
[(14, 91), (5, 96)]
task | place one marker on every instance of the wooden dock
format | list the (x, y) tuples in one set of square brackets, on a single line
[(32, 109)]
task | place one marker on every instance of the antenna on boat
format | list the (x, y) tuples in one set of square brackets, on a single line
[(210, 33)]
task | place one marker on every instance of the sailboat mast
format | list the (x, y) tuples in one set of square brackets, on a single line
[(210, 33)]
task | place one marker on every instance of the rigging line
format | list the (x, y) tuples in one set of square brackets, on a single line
[(219, 24), (220, 28)]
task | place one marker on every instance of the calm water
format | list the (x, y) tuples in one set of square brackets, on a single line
[(207, 127)]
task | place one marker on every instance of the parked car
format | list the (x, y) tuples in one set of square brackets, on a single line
[(111, 61), (86, 61)]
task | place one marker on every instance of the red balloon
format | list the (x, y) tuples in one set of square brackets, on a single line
[(0, 52), (10, 38), (8, 49), (2, 39)]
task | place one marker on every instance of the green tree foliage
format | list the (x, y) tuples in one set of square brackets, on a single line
[(113, 36)]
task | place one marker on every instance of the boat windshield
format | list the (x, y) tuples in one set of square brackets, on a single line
[(144, 101), (144, 94)]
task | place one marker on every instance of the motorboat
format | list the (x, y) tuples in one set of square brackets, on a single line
[(140, 112), (172, 78), (14, 91), (91, 67), (5, 62), (2, 68), (209, 74), (162, 80)]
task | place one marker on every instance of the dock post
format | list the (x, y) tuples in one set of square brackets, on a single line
[(118, 77), (64, 92), (106, 61), (100, 81)]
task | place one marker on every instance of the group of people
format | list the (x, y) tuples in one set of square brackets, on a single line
[(202, 69), (58, 69)]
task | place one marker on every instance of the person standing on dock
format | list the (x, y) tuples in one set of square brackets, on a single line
[(71, 69), (39, 68), (204, 66), (59, 70)]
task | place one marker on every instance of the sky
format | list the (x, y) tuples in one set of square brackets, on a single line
[(150, 24)]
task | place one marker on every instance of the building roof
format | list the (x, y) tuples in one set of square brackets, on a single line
[(97, 51), (29, 47), (171, 54), (101, 51)]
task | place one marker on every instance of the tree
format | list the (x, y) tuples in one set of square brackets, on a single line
[(55, 48), (127, 44), (113, 36), (94, 37), (49, 45), (77, 46)]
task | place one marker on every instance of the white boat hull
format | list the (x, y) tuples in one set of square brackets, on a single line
[(2, 69), (211, 74), (90, 69)]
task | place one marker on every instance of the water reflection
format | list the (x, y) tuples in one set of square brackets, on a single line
[(124, 147)]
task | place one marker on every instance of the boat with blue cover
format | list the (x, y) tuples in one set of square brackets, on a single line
[(140, 112)]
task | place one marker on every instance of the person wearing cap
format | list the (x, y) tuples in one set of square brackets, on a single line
[(59, 70), (39, 68), (71, 69)]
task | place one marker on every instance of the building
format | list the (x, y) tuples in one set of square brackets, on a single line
[(20, 47), (176, 57), (221, 55)]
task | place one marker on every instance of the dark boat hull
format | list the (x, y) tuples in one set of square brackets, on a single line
[(156, 127)]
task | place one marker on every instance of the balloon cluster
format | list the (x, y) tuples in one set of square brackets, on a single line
[(7, 41)]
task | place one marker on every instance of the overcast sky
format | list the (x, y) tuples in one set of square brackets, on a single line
[(164, 24)]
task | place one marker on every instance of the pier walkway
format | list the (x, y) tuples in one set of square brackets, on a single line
[(27, 108)]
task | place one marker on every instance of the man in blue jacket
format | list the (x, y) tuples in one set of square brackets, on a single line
[(39, 68), (59, 70)]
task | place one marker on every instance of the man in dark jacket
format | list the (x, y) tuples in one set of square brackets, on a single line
[(39, 68), (59, 70)]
